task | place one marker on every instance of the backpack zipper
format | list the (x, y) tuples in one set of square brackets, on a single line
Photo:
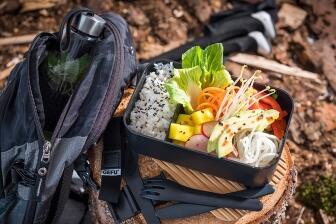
[(46, 152), (45, 158), (30, 213)]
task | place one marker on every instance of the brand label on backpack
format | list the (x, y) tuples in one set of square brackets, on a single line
[(111, 172)]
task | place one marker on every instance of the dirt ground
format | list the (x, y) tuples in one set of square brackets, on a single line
[(158, 26)]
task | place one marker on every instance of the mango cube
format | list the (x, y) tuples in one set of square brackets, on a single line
[(202, 116), (184, 119), (180, 132), (198, 129)]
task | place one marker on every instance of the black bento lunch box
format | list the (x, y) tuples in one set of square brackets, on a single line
[(202, 161)]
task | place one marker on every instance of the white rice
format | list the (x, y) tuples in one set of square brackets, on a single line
[(152, 113)]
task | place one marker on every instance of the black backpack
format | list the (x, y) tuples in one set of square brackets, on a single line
[(36, 173)]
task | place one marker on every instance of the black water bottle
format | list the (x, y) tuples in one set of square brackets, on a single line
[(71, 63), (86, 29), (62, 70)]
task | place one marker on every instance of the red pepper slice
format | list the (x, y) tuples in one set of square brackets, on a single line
[(264, 106), (279, 127), (260, 105), (266, 103), (275, 105)]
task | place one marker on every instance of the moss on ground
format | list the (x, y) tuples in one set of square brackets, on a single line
[(320, 194)]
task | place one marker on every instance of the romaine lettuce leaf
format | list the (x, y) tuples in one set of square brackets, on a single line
[(213, 57), (220, 78), (184, 87), (210, 60), (178, 95), (189, 80), (192, 57)]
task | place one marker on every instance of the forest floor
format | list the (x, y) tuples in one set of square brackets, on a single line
[(158, 26)]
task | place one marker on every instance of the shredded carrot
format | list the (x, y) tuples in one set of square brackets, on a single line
[(203, 97), (215, 100), (207, 105), (210, 97), (213, 89)]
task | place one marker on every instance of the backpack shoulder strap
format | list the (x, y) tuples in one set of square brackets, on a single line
[(61, 196)]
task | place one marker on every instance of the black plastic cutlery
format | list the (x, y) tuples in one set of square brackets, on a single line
[(166, 190), (181, 210), (192, 202)]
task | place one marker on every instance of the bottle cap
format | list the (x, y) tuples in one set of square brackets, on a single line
[(89, 23)]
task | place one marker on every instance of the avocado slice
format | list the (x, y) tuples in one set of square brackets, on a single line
[(217, 132), (222, 135)]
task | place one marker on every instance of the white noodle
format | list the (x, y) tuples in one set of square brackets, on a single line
[(256, 148)]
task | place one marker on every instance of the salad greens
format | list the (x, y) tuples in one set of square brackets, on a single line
[(192, 57), (184, 87), (200, 69), (210, 60)]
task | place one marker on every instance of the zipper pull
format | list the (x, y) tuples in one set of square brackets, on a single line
[(46, 152)]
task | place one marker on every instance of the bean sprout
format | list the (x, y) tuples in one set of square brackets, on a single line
[(234, 102)]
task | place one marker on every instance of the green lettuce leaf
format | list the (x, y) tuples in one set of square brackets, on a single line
[(210, 60), (189, 80), (178, 95), (220, 79), (192, 57), (185, 86), (213, 57)]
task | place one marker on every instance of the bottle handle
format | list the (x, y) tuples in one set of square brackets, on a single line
[(64, 31)]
